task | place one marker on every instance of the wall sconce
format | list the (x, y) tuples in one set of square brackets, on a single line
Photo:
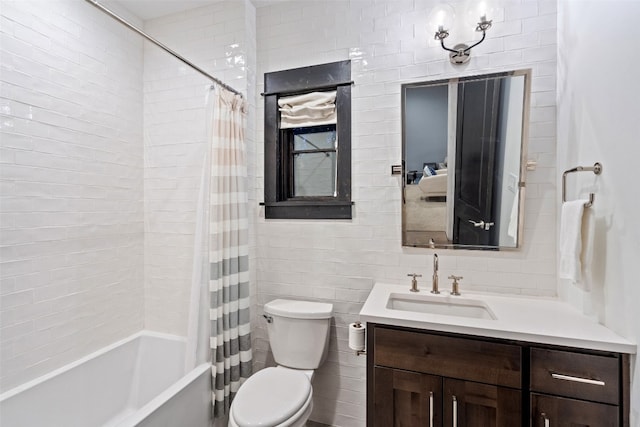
[(461, 52)]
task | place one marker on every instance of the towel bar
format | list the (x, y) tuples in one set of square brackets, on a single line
[(596, 169)]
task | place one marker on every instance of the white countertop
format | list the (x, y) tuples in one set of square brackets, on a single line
[(533, 319)]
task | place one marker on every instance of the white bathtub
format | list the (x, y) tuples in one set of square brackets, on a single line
[(138, 381)]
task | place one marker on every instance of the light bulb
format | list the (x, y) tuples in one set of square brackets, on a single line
[(480, 11), (440, 18)]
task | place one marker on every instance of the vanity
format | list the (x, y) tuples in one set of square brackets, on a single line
[(472, 359), (489, 360)]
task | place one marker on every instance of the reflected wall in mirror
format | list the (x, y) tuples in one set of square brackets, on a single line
[(463, 149)]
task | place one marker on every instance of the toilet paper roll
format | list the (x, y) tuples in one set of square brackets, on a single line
[(356, 336)]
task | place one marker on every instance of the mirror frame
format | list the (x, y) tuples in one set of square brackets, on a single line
[(523, 156)]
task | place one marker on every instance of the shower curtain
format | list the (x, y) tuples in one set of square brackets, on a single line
[(230, 339)]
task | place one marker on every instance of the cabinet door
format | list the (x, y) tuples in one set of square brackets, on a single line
[(470, 404), (553, 411), (406, 399)]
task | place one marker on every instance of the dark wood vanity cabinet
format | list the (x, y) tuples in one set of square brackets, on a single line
[(570, 388), (477, 404), (424, 378), (405, 398)]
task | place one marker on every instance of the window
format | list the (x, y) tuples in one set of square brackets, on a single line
[(311, 153), (308, 142)]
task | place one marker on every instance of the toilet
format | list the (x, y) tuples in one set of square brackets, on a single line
[(282, 396)]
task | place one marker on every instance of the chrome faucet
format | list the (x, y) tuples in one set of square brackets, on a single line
[(434, 283)]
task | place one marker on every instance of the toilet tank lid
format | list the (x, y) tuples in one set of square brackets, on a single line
[(299, 309)]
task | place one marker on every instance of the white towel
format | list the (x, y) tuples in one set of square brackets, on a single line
[(571, 240), (588, 244)]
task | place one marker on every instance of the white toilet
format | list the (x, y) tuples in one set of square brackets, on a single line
[(282, 396)]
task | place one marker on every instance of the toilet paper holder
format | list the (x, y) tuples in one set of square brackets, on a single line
[(358, 324)]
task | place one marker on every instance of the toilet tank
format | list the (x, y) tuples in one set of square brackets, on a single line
[(298, 332)]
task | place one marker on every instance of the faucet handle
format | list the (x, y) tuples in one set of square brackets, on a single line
[(414, 282), (455, 290)]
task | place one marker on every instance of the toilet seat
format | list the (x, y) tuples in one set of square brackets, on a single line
[(272, 397)]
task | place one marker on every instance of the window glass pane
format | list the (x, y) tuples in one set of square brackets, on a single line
[(317, 138), (314, 174)]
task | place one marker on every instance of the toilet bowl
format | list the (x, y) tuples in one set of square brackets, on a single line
[(283, 396), (278, 397)]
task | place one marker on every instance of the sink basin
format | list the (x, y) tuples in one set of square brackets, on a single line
[(444, 305)]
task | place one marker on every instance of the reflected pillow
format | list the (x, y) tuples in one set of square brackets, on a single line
[(429, 171)]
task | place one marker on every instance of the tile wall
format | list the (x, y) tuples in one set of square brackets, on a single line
[(220, 39), (339, 261), (97, 222), (71, 171)]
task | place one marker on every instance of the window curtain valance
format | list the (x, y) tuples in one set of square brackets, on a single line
[(309, 109)]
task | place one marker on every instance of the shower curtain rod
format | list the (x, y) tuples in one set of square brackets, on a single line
[(161, 46)]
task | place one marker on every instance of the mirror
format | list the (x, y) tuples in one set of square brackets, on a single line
[(463, 158)]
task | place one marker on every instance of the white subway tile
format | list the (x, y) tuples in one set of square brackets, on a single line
[(542, 23), (368, 249), (49, 113)]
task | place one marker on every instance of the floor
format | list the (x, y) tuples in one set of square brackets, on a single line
[(315, 424)]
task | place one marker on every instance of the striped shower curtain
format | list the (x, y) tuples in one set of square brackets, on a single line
[(229, 252)]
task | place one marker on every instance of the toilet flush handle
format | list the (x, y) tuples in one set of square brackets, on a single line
[(269, 318)]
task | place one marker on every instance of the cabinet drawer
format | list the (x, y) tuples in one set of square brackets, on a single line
[(583, 376), (561, 411), (461, 358)]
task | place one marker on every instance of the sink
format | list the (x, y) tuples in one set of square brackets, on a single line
[(444, 305)]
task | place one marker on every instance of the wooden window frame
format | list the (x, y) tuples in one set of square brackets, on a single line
[(277, 176)]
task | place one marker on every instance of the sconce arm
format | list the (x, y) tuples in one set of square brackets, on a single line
[(446, 48), (484, 34), (468, 48)]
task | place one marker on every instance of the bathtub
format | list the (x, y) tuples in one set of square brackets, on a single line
[(138, 381)]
